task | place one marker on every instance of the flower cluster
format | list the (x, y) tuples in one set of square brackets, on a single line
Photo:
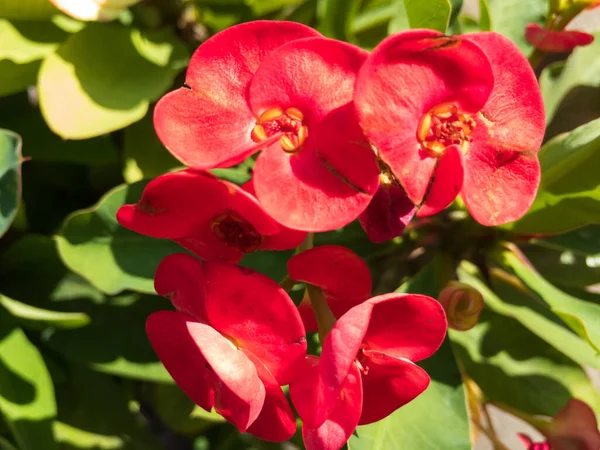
[(336, 134)]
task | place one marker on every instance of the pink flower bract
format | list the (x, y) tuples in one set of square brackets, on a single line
[(449, 115), (282, 88), (234, 338)]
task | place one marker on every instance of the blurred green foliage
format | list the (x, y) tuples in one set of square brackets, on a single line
[(76, 369)]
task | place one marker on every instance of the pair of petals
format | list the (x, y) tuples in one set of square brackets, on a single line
[(234, 338), (382, 337), (240, 73), (183, 206), (484, 75), (556, 41), (340, 273)]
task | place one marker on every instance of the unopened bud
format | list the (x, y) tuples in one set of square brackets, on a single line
[(462, 304)]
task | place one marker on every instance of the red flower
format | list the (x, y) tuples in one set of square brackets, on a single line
[(451, 115), (340, 273), (282, 88), (212, 218), (573, 427), (234, 338), (556, 41), (380, 338)]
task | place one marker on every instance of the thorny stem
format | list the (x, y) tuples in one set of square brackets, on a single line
[(498, 445)]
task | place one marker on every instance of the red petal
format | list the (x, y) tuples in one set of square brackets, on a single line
[(556, 41), (446, 184), (276, 421), (305, 392), (342, 421), (286, 238), (180, 278), (388, 384), (169, 207), (257, 314), (207, 367), (339, 353), (209, 124), (501, 170), (205, 243), (342, 275), (409, 326), (388, 214), (330, 180), (405, 76)]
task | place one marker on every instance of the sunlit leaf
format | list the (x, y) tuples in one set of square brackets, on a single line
[(10, 177), (39, 318)]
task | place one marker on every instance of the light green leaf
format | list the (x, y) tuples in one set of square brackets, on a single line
[(102, 79), (39, 318), (437, 419), (581, 69), (434, 14), (582, 316), (93, 245), (514, 367), (27, 9), (485, 17), (336, 17), (26, 391), (145, 156), (512, 16), (399, 20), (512, 299), (10, 177), (569, 193), (94, 412)]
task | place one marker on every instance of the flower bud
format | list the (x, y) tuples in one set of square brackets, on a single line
[(93, 9), (462, 304)]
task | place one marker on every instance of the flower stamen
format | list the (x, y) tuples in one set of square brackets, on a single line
[(236, 232), (289, 123), (442, 126)]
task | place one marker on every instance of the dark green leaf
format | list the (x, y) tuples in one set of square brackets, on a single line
[(26, 392), (336, 17), (514, 367), (512, 299), (10, 177)]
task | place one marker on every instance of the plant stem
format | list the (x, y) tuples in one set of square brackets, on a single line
[(323, 314), (307, 244), (498, 445), (287, 284)]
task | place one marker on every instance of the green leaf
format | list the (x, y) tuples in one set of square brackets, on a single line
[(569, 193), (22, 47), (571, 259), (145, 156), (336, 17), (10, 177), (485, 17), (94, 412), (39, 318), (27, 9), (103, 78), (512, 299), (514, 367), (512, 16), (26, 391), (399, 20), (93, 245), (434, 14), (5, 445), (581, 69), (437, 419), (115, 341), (582, 316)]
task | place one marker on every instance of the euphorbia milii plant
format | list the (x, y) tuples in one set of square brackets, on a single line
[(234, 338), (455, 115), (282, 88)]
